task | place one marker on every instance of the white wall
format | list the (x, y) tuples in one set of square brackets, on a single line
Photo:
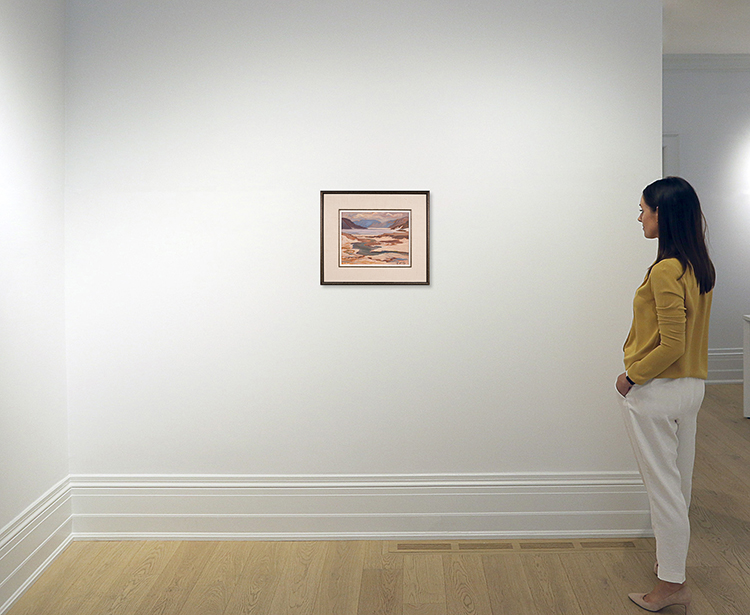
[(707, 105), (33, 426), (199, 137), (35, 512)]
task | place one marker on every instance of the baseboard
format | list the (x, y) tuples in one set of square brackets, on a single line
[(359, 507), (335, 507), (32, 541), (725, 366)]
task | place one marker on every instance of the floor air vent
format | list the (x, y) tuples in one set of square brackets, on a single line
[(522, 546)]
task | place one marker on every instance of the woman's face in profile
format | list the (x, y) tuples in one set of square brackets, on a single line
[(649, 218)]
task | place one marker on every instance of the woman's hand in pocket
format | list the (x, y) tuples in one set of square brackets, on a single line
[(622, 385)]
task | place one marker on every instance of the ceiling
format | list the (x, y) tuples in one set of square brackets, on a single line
[(706, 26)]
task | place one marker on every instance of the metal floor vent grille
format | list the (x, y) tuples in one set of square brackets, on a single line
[(522, 546)]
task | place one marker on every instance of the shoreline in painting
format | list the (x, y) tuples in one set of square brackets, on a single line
[(387, 248)]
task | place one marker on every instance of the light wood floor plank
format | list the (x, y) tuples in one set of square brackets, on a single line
[(627, 572), (301, 576), (152, 560), (705, 542), (507, 585), (720, 529), (379, 557), (726, 443), (220, 578), (550, 585), (700, 603), (719, 474), (47, 593), (592, 585), (177, 579), (424, 609), (96, 587), (338, 593), (726, 403), (381, 585), (465, 585), (724, 592), (424, 584), (257, 584), (381, 592)]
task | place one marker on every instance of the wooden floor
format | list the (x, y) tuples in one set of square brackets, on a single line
[(492, 577)]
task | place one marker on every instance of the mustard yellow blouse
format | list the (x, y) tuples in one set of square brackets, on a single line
[(669, 334)]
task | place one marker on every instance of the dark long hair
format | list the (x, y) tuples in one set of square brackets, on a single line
[(682, 228)]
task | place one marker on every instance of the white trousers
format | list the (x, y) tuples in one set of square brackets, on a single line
[(661, 418)]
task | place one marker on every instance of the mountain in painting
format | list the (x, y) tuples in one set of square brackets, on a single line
[(400, 224), (346, 223)]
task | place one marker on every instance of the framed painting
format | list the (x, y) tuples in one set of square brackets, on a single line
[(374, 237)]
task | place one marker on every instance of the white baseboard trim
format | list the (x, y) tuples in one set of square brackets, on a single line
[(359, 507), (725, 366), (32, 541), (331, 507)]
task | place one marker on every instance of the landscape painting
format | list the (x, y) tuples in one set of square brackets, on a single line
[(375, 238)]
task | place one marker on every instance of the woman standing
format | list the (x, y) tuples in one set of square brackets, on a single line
[(666, 362)]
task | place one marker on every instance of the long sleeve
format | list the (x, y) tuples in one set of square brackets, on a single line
[(669, 303), (669, 334)]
